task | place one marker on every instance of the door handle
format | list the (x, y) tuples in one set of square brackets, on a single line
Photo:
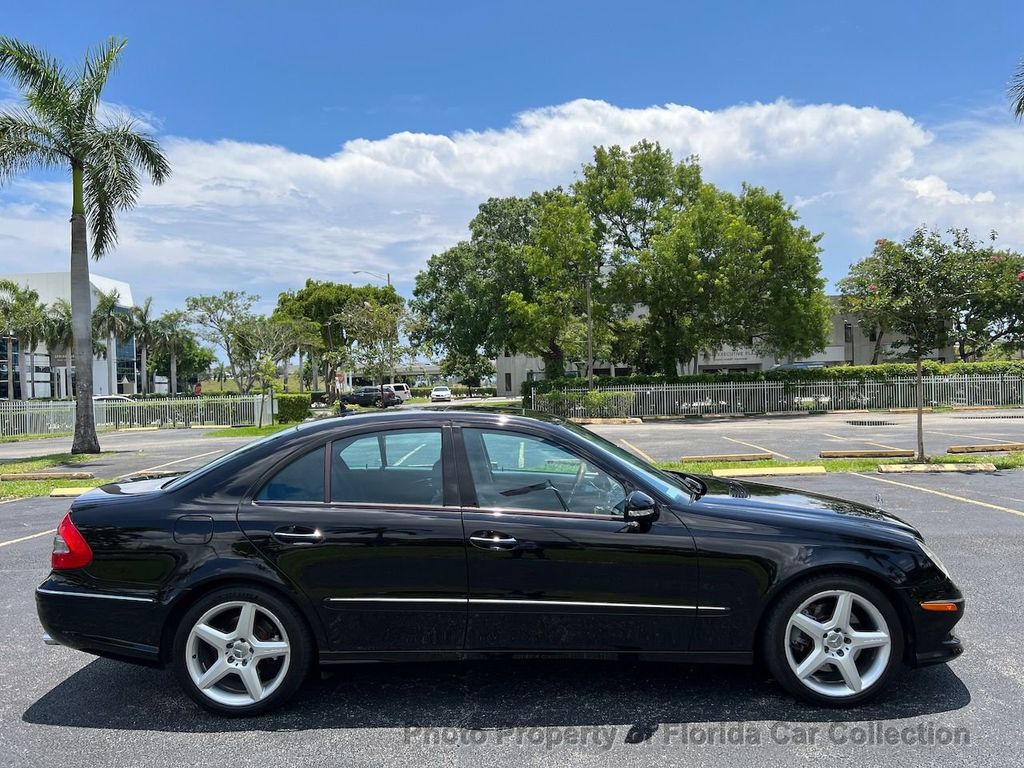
[(492, 540), (295, 535)]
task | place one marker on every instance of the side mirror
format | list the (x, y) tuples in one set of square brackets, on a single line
[(639, 509)]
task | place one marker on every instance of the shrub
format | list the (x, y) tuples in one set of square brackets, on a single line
[(292, 407)]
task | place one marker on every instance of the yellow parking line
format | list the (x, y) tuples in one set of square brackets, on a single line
[(26, 538), (636, 450), (945, 495), (760, 448)]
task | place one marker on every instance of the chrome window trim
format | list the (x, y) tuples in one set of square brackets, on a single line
[(545, 512), (95, 594)]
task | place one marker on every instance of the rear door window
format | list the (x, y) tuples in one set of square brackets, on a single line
[(401, 466)]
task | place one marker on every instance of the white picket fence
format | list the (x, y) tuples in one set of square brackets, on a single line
[(28, 417), (779, 397)]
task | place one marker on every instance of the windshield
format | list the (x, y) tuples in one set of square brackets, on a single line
[(181, 480), (673, 486)]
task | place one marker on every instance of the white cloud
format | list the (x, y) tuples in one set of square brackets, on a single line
[(264, 218)]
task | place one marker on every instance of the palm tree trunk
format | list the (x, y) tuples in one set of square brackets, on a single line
[(81, 320), (145, 374), (111, 364), (174, 372), (302, 373), (32, 371)]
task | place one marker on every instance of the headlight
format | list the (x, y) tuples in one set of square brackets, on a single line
[(934, 558)]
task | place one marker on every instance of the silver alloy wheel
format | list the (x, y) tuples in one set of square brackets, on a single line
[(837, 643), (237, 653)]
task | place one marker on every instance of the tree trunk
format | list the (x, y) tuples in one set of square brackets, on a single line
[(302, 373), (111, 364), (554, 361), (145, 375), (31, 372), (10, 368), (877, 351), (174, 372), (287, 370), (920, 414), (81, 321)]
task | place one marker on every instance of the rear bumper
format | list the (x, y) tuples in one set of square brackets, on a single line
[(118, 626)]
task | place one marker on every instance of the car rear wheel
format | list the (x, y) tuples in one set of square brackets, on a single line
[(833, 640), (241, 651)]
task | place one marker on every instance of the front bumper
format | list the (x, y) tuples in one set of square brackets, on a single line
[(932, 640)]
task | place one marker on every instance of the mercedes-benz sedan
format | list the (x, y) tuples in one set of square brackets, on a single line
[(450, 534)]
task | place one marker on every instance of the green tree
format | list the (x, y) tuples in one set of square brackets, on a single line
[(1016, 91), (172, 339), (375, 338), (990, 302), (112, 323), (58, 128), (143, 329), (21, 317), (59, 334), (469, 371), (908, 287), (218, 318)]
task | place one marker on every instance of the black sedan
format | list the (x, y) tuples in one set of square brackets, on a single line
[(372, 397), (456, 534)]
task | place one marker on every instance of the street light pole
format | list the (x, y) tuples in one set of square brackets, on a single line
[(386, 276)]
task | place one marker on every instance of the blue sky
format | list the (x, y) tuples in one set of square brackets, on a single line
[(321, 137)]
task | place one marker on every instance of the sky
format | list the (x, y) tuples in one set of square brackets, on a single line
[(313, 139)]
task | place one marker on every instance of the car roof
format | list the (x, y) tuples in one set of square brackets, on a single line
[(489, 415)]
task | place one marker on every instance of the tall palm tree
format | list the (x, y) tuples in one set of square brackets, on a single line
[(9, 292), (169, 332), (58, 128), (144, 330), (113, 324), (1017, 91), (59, 334)]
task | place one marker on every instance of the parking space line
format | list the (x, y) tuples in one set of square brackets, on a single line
[(760, 448), (969, 437), (636, 450), (945, 495), (859, 440), (169, 463), (26, 538)]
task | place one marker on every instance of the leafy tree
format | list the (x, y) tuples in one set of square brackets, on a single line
[(990, 306), (218, 317), (469, 370), (58, 128), (22, 318), (907, 286), (259, 343), (375, 333)]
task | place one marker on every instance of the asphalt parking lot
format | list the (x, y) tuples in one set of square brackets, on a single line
[(60, 706)]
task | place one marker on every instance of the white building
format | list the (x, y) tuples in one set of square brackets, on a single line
[(848, 344), (53, 374)]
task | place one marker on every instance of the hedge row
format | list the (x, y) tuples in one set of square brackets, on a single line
[(834, 373), (457, 391), (292, 407)]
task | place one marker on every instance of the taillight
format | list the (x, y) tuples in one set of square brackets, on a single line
[(70, 550)]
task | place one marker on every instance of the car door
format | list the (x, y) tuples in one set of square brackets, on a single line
[(366, 528), (553, 566)]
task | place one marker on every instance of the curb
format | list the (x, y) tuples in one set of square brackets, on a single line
[(47, 476), (989, 448), (769, 471), (727, 457), (868, 454), (69, 493)]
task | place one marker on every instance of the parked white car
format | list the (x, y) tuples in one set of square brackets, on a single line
[(440, 395), (402, 390)]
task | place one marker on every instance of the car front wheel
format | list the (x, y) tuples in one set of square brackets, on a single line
[(241, 651), (834, 640)]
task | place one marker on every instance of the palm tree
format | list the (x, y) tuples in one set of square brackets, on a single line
[(58, 128), (9, 293), (110, 321), (32, 326), (1017, 91), (59, 334), (144, 330), (169, 331)]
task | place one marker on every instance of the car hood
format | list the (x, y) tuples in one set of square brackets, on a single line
[(725, 494)]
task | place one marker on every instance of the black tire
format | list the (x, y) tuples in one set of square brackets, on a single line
[(774, 640), (297, 636), (378, 403)]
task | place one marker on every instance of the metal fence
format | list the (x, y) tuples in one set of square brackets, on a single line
[(27, 417), (755, 397)]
